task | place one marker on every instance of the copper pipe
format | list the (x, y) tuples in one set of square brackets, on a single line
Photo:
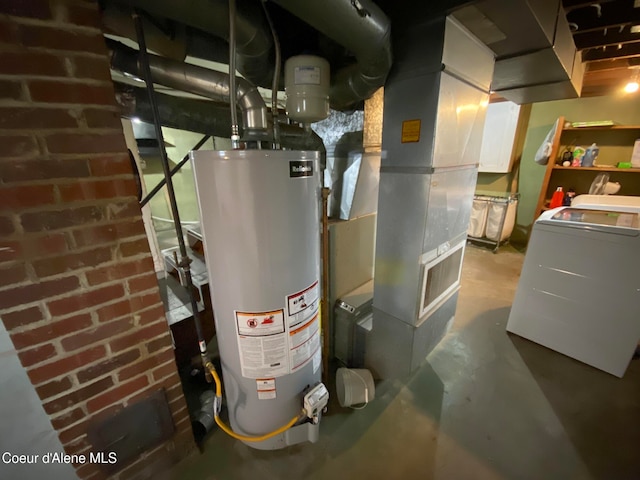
[(324, 302)]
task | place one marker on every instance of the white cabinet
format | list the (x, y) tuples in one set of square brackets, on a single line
[(498, 137)]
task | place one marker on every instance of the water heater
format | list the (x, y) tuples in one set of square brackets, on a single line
[(260, 223)]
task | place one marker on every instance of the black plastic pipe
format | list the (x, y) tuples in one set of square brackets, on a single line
[(185, 261)]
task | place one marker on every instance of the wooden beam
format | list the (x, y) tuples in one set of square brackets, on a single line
[(600, 38), (613, 14), (608, 65), (628, 50)]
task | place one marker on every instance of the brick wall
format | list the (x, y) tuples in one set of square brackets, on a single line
[(77, 289)]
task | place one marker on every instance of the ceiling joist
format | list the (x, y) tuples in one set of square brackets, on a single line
[(607, 15), (626, 51), (599, 38)]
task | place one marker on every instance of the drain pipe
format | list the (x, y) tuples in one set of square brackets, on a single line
[(184, 258), (276, 77)]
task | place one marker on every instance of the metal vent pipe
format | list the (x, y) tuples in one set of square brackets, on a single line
[(254, 42), (363, 29), (196, 80)]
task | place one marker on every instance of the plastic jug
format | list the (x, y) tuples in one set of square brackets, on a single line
[(590, 156), (557, 198)]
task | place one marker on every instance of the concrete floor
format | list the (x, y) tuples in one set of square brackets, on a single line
[(485, 405)]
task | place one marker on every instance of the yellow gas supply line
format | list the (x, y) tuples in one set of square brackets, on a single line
[(227, 430)]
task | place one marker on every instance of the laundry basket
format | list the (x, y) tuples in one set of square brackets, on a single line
[(493, 217)]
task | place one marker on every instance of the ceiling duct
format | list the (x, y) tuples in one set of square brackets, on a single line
[(363, 29), (536, 58), (253, 37), (196, 80)]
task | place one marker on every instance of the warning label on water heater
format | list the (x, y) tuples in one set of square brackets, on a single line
[(302, 305), (262, 343)]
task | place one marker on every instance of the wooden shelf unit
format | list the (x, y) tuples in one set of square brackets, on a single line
[(557, 172)]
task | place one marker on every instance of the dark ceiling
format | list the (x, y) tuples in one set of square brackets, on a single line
[(604, 32)]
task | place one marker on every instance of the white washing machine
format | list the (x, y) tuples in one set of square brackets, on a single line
[(579, 291)]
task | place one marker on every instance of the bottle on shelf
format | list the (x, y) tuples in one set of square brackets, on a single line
[(589, 159), (557, 198)]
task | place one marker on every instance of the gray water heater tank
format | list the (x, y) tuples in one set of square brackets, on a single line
[(260, 221)]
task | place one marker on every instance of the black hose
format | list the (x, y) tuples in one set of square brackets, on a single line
[(184, 260)]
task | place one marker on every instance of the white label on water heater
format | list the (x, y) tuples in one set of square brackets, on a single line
[(304, 342), (262, 343), (302, 305), (266, 388), (306, 75)]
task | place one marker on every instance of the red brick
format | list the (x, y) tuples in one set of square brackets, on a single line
[(140, 284), (27, 8), (65, 365), (95, 68), (115, 310), (75, 447), (18, 146), (31, 63), (92, 471), (68, 418), (85, 143), (72, 261), (83, 14), (135, 247), (173, 391), (110, 233), (143, 302), (55, 38), (93, 190), (119, 271), (108, 365), (59, 91), (164, 371), (35, 118), (139, 336), (21, 170), (105, 166), (101, 118), (117, 394), (9, 250), (45, 245), (124, 210), (51, 331), (94, 335), (151, 316), (19, 318), (6, 226), (9, 32), (146, 365), (78, 395), (88, 299), (9, 89), (25, 196), (12, 275), (36, 355), (158, 344), (58, 219), (54, 387), (30, 293)]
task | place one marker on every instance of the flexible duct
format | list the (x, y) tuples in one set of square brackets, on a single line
[(197, 80), (363, 29), (254, 44)]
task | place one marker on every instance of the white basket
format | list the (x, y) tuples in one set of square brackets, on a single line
[(478, 221), (494, 219)]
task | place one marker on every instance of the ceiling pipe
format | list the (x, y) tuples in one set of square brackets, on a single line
[(363, 29), (199, 81), (253, 38)]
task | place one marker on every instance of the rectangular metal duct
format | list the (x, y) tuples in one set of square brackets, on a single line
[(536, 58), (435, 104)]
